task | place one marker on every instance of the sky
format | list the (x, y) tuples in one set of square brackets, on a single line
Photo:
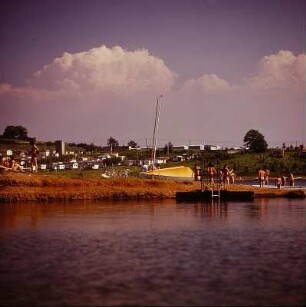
[(83, 71)]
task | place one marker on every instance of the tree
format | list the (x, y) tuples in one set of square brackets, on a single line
[(132, 144), (111, 142), (15, 132), (255, 141), (168, 148)]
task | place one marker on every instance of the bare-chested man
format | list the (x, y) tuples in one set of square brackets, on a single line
[(211, 172), (261, 177)]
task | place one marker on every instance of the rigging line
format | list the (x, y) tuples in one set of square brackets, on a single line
[(155, 132)]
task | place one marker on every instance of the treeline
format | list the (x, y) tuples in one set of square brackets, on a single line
[(16, 133)]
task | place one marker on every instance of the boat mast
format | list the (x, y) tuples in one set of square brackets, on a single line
[(155, 132)]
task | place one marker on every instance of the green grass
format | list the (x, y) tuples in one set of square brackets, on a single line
[(247, 164), (243, 163), (92, 174)]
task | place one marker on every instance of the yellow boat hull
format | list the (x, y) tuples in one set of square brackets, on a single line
[(171, 173)]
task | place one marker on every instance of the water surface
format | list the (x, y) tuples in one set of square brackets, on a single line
[(153, 253)]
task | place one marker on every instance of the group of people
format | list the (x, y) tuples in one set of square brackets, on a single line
[(263, 178), (227, 176), (281, 181), (10, 164)]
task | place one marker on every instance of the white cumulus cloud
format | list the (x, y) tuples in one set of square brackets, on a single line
[(208, 83), (283, 70), (106, 70), (111, 91)]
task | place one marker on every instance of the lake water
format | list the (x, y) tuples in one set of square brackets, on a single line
[(299, 182), (153, 253)]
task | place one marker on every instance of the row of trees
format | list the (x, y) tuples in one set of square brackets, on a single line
[(15, 133), (253, 140)]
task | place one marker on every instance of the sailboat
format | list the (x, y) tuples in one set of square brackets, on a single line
[(173, 173)]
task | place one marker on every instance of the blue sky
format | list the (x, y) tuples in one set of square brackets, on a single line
[(85, 70)]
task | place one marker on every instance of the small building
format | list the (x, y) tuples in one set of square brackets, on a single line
[(73, 165), (180, 147), (57, 166), (178, 158), (196, 147), (234, 150), (44, 154), (60, 147), (95, 166), (43, 167), (134, 148), (212, 147), (61, 166), (9, 152)]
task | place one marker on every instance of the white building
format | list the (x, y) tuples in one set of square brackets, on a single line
[(212, 147)]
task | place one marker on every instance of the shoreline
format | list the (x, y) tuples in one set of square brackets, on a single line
[(23, 187)]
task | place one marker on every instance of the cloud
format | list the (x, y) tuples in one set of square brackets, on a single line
[(89, 94), (9, 90), (281, 71), (104, 91), (106, 71), (215, 110), (206, 84)]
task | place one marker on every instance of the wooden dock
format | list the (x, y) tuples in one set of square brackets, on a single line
[(199, 195)]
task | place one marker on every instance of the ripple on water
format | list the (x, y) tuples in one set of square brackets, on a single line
[(152, 254)]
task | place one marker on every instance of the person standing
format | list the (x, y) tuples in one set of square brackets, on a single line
[(291, 180), (267, 173), (211, 172), (261, 177), (232, 176), (225, 175), (34, 157), (283, 180)]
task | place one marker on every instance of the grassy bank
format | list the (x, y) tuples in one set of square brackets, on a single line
[(41, 187), (30, 187)]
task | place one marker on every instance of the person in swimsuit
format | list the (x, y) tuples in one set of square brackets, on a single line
[(278, 182), (16, 167), (267, 173), (5, 164), (211, 172), (291, 180), (232, 176), (34, 157), (283, 180), (261, 177), (225, 175)]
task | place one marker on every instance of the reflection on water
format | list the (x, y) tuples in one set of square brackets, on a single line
[(153, 253)]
